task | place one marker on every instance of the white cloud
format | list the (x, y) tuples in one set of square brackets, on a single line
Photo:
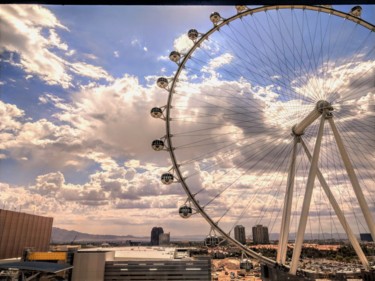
[(91, 56), (110, 126), (135, 42), (49, 184), (22, 33), (100, 124), (215, 63), (10, 117), (70, 53), (338, 81), (55, 41), (116, 54), (182, 44), (88, 70), (111, 115), (162, 58)]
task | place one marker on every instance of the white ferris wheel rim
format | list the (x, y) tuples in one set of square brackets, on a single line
[(173, 82)]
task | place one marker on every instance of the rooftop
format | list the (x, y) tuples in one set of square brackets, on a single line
[(136, 252), (47, 267)]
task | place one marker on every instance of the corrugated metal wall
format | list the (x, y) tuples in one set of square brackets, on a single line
[(21, 230)]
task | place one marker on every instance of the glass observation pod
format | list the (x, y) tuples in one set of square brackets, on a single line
[(246, 264), (156, 112), (167, 178), (157, 145), (211, 241), (185, 211)]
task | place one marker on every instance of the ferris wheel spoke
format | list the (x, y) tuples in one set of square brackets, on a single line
[(258, 56), (222, 149), (232, 156), (242, 163)]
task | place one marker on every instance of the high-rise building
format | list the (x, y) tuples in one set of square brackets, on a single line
[(239, 234), (20, 230), (164, 239), (366, 237), (260, 234), (155, 233)]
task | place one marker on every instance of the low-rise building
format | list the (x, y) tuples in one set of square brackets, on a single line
[(142, 263)]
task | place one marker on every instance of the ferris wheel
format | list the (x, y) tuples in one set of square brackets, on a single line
[(270, 121)]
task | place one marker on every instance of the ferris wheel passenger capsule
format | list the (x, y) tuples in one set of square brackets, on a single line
[(167, 178), (157, 145), (246, 264), (162, 82), (156, 112), (185, 211), (241, 8), (356, 11), (193, 34), (174, 56), (211, 241), (215, 17)]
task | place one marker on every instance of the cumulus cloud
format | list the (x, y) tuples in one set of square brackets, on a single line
[(230, 131), (89, 133), (88, 70), (216, 63), (111, 114), (22, 26), (182, 44), (23, 33), (49, 184), (101, 123), (10, 117)]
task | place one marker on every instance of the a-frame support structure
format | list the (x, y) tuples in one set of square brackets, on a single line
[(323, 110)]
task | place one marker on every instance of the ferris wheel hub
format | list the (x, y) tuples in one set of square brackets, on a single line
[(321, 106)]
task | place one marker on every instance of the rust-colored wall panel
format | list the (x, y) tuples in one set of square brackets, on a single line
[(15, 233), (7, 231), (47, 232), (20, 230), (37, 233), (17, 237), (32, 232), (2, 223), (41, 234), (24, 229)]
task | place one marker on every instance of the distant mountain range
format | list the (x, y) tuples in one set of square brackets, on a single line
[(60, 235), (67, 236)]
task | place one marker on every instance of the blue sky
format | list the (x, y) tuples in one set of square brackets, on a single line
[(76, 87)]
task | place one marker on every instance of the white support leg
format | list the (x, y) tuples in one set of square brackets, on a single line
[(353, 240), (285, 222), (353, 179), (307, 199)]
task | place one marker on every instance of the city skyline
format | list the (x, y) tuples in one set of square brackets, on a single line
[(77, 85)]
